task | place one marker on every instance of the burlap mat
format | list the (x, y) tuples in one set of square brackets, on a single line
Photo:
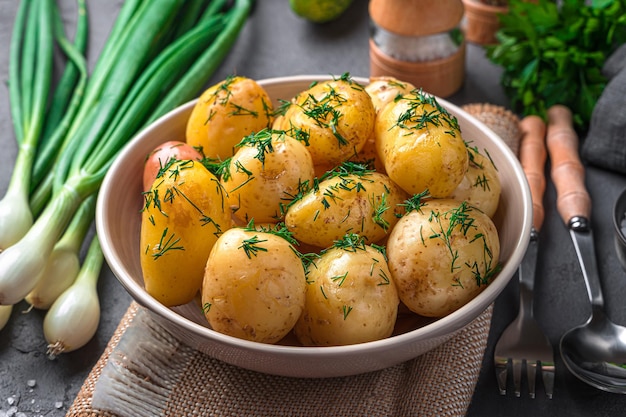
[(438, 383), (145, 371)]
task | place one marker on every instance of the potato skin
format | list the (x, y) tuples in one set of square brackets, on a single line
[(265, 174), (254, 296), (366, 204), (350, 298), (384, 90), (227, 112), (480, 186), (336, 116), (442, 256), (421, 146), (162, 154), (183, 215)]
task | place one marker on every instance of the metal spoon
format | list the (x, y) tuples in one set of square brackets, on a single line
[(595, 352)]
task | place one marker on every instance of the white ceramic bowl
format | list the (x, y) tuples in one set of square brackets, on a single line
[(118, 222)]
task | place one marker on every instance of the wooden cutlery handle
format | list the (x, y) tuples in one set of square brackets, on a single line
[(532, 155), (568, 172)]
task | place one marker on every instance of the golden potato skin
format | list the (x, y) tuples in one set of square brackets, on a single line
[(184, 214), (384, 90), (265, 173), (365, 203), (420, 145), (254, 286), (225, 113), (480, 186), (442, 256), (335, 116), (350, 298)]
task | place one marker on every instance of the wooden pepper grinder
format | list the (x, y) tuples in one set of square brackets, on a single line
[(420, 42)]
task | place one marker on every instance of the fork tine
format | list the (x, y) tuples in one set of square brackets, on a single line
[(501, 373), (517, 376), (547, 372), (531, 373)]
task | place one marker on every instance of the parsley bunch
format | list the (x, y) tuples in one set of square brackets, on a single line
[(553, 53)]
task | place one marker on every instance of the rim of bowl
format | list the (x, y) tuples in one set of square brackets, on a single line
[(441, 326)]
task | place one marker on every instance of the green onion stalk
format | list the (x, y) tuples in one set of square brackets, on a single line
[(63, 264), (30, 72), (143, 72), (73, 318)]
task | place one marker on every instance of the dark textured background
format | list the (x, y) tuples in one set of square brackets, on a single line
[(275, 43)]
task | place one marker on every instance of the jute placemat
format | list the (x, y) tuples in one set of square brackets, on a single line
[(132, 379), (145, 371)]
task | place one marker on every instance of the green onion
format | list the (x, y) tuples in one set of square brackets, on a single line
[(142, 72), (65, 102), (63, 263), (30, 71), (73, 318)]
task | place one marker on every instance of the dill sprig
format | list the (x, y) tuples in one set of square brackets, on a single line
[(262, 141), (350, 242), (348, 168), (304, 187), (459, 218), (252, 246), (223, 93), (325, 110), (418, 116), (281, 109), (166, 243), (380, 207), (280, 230), (415, 203), (217, 167)]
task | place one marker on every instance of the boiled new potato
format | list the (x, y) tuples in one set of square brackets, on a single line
[(183, 215), (334, 117), (346, 201), (384, 90), (350, 297), (227, 112), (442, 255), (480, 186), (254, 285), (420, 145), (266, 172), (162, 155)]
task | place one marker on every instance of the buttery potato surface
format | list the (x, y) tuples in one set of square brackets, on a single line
[(480, 186), (420, 145), (442, 255), (363, 202), (227, 112), (335, 117), (254, 286), (384, 90), (265, 173), (183, 215), (350, 297)]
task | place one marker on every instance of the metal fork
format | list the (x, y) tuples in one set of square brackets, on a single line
[(523, 341)]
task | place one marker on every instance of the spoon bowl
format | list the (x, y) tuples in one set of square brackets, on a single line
[(595, 352)]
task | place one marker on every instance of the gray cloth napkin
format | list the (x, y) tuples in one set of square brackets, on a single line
[(605, 144)]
